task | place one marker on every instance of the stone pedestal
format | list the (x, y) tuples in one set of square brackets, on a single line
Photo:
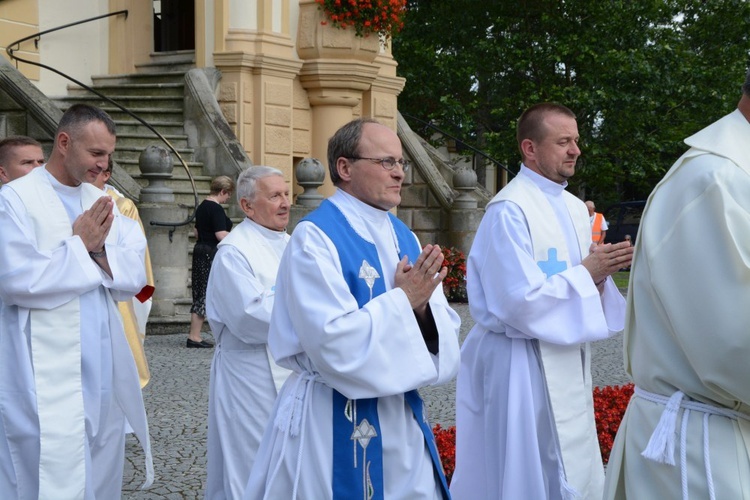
[(169, 256), (462, 228), (155, 164)]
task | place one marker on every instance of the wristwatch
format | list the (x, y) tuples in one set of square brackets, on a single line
[(99, 255)]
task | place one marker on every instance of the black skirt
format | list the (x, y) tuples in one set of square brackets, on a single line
[(203, 256)]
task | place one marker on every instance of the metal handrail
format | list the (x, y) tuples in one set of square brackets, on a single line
[(36, 38), (459, 141)]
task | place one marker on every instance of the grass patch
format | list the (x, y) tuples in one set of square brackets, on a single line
[(621, 279)]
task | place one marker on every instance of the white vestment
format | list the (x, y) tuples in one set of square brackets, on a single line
[(687, 325), (243, 386), (507, 442), (33, 281), (377, 351)]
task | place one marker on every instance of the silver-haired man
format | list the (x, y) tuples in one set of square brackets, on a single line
[(239, 299)]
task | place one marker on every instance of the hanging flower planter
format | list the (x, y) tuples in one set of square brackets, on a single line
[(318, 38), (365, 17)]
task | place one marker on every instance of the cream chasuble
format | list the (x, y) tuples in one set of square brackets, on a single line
[(134, 312)]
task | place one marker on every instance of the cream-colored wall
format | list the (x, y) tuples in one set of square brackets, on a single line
[(205, 17), (19, 19), (243, 14), (80, 51)]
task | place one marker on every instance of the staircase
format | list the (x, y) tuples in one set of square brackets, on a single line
[(156, 94)]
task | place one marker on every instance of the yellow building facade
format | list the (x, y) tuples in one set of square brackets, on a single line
[(288, 81)]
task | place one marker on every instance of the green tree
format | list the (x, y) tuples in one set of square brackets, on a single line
[(641, 75)]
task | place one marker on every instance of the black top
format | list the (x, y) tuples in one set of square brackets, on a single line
[(209, 219)]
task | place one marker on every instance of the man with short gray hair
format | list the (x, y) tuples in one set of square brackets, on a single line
[(239, 298), (687, 428)]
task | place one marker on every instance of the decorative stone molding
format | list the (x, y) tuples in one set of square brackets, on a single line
[(465, 181), (155, 163), (310, 174)]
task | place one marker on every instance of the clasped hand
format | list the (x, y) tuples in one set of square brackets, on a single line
[(605, 260), (93, 225), (420, 279)]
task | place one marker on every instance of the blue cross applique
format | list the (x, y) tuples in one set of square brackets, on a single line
[(552, 266)]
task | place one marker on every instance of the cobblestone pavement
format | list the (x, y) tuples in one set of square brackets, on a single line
[(176, 401)]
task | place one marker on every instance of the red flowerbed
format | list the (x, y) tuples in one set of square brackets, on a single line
[(610, 403), (446, 445)]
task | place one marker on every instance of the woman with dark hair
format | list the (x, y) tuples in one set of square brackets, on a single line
[(211, 226)]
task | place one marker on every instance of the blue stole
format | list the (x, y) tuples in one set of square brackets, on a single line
[(357, 448)]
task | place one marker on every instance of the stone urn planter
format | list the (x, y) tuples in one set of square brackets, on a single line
[(316, 40)]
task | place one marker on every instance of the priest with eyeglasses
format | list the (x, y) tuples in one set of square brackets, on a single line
[(361, 320)]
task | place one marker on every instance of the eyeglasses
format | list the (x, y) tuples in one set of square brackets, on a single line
[(387, 163)]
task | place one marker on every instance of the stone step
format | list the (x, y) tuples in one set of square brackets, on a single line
[(134, 151), (160, 102), (164, 127), (178, 60), (132, 90), (149, 114), (180, 185), (178, 173), (142, 140), (149, 78), (182, 306), (169, 325), (130, 164)]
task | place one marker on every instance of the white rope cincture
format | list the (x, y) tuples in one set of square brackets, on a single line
[(683, 454), (706, 459), (291, 420), (660, 447)]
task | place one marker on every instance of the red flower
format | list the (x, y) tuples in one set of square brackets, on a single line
[(610, 403), (383, 17), (454, 283), (445, 439)]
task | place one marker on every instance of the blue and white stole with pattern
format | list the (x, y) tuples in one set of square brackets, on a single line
[(357, 445)]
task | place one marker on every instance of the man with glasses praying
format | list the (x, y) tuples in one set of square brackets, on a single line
[(361, 320)]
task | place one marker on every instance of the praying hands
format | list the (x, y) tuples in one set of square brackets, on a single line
[(607, 259), (420, 279), (93, 225)]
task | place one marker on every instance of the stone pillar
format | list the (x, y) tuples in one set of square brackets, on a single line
[(464, 216), (168, 245), (381, 101), (338, 67)]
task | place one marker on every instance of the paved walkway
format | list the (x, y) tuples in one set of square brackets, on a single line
[(177, 405)]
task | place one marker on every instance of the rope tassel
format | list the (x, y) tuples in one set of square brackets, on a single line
[(660, 447)]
